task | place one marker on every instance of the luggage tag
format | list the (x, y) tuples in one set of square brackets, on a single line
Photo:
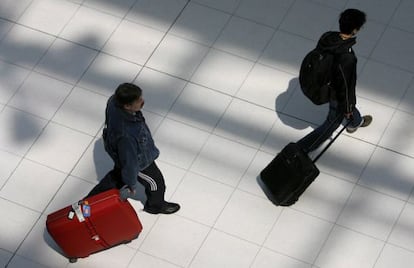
[(86, 209)]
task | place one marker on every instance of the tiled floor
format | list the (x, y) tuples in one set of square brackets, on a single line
[(222, 98)]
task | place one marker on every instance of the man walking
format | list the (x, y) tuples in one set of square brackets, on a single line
[(129, 143), (342, 102)]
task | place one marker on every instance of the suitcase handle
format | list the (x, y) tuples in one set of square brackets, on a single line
[(78, 212)]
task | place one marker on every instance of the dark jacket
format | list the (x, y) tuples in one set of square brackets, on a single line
[(128, 141), (345, 71)]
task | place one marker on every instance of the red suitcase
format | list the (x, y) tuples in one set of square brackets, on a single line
[(93, 224)]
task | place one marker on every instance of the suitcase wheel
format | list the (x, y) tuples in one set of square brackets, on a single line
[(73, 260)]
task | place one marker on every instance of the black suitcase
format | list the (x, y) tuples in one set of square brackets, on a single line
[(288, 175)]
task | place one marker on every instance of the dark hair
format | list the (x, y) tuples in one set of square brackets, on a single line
[(350, 20), (127, 93)]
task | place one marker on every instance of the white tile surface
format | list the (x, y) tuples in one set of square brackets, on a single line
[(90, 27), (133, 42), (298, 235), (82, 110), (175, 239), (200, 24), (402, 18), (5, 256), (66, 61), (241, 218), (18, 222), (41, 95), (395, 180), (407, 100), (11, 79), (393, 256), (118, 8), (59, 147), (244, 38), (402, 233), (225, 5), (345, 248), (205, 206), (158, 14), (12, 10), (24, 188), (8, 162), (107, 72), (219, 244), (246, 123), (211, 70), (145, 260), (223, 160), (160, 90), (184, 60), (267, 259), (371, 213), (24, 46), (199, 107)]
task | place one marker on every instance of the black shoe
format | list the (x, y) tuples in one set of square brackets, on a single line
[(165, 208), (366, 121)]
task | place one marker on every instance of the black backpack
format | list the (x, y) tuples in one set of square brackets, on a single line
[(315, 75)]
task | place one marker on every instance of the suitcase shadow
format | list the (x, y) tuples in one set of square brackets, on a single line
[(50, 242)]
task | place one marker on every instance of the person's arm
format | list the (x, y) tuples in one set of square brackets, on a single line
[(347, 69), (127, 153)]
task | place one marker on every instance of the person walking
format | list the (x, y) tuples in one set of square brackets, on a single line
[(128, 141), (342, 102)]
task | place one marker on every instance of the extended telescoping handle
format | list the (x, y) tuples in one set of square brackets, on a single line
[(332, 141)]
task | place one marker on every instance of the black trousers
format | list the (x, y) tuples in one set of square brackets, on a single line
[(151, 178)]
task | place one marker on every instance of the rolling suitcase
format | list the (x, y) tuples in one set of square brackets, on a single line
[(288, 175), (93, 224)]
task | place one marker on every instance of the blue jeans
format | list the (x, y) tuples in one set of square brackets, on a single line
[(334, 119)]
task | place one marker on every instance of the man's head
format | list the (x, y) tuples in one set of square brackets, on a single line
[(351, 20), (129, 97)]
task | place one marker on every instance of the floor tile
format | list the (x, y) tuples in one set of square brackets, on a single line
[(393, 256), (107, 72), (393, 48), (223, 160), (179, 144), (24, 188), (268, 259), (368, 38), (402, 233), (48, 16), (395, 179), (193, 108), (12, 10), (225, 5), (160, 90), (158, 14), (66, 61), (18, 222), (325, 198), (286, 51), (94, 163), (407, 100), (380, 11), (399, 131), (39, 247), (249, 183), (244, 38), (382, 83), (24, 130), (263, 89), (371, 213), (200, 24), (41, 95), (24, 46), (82, 110), (8, 162), (18, 262), (246, 123), (5, 27), (345, 248), (173, 176), (183, 62), (59, 147), (5, 256), (264, 12), (210, 72), (90, 27), (118, 8), (341, 160), (145, 260), (133, 42), (309, 19), (175, 239), (205, 206), (402, 17), (298, 235), (241, 217), (219, 244)]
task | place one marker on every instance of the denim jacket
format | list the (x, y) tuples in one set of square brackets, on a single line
[(128, 141)]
